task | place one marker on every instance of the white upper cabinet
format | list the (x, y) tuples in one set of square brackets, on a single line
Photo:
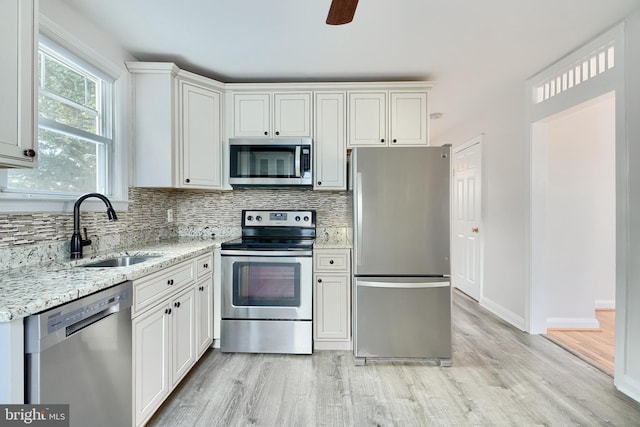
[(201, 140), (272, 114), (18, 30), (388, 118), (367, 119), (178, 130), (330, 141)]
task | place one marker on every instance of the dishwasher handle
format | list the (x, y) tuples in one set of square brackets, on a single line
[(94, 318)]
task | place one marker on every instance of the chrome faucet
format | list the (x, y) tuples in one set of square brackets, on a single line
[(77, 242)]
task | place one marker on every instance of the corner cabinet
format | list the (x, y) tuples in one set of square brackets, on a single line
[(272, 114), (178, 128), (330, 166), (18, 32), (171, 329), (331, 299), (388, 118)]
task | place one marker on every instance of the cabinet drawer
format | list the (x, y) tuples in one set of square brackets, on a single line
[(204, 265), (335, 260), (155, 287)]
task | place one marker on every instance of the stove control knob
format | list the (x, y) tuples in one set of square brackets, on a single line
[(306, 219), (297, 218), (258, 218), (249, 218)]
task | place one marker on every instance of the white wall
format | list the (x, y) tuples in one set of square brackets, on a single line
[(580, 213), (505, 178)]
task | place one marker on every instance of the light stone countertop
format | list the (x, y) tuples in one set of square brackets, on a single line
[(333, 238), (35, 288)]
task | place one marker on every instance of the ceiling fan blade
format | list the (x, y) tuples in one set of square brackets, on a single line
[(341, 12)]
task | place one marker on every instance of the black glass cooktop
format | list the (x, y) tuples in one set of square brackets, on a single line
[(268, 243)]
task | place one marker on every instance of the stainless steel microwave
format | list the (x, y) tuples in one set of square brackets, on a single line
[(270, 162)]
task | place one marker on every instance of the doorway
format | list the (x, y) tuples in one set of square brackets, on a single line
[(576, 162)]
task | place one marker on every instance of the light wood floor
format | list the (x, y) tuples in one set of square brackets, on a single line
[(500, 377), (597, 347)]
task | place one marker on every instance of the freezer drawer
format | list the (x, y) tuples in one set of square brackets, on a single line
[(403, 318)]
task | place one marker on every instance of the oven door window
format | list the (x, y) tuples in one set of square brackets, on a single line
[(272, 284)]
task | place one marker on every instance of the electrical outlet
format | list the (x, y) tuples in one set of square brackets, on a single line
[(169, 215)]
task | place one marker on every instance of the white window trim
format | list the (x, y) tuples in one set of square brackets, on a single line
[(18, 202)]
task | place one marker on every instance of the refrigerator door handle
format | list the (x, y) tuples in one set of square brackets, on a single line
[(358, 218), (407, 285)]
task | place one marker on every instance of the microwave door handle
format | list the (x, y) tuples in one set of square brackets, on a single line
[(297, 162)]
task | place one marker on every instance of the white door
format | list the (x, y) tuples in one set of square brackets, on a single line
[(466, 262)]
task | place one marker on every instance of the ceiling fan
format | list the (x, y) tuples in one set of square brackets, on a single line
[(341, 11)]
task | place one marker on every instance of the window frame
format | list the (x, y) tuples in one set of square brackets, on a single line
[(116, 187)]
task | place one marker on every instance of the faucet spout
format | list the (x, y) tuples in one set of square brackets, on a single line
[(77, 242)]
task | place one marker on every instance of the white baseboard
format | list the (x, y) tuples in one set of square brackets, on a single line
[(572, 323), (605, 304), (627, 385), (503, 313)]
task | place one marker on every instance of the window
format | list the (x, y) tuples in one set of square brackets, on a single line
[(75, 127)]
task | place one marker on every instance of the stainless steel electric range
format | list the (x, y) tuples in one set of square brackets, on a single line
[(267, 284)]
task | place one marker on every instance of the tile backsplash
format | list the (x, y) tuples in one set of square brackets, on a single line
[(196, 214)]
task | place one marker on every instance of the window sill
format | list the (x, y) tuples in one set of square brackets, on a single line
[(28, 203)]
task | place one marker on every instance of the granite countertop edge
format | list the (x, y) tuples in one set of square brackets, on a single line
[(36, 288)]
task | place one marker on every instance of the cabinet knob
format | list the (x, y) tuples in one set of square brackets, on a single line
[(167, 311), (266, 133), (170, 282), (394, 141), (29, 153), (205, 265), (187, 180), (319, 280), (382, 140), (201, 288), (319, 182), (330, 261), (277, 133), (176, 304)]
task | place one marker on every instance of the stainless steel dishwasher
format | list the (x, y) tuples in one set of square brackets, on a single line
[(80, 354)]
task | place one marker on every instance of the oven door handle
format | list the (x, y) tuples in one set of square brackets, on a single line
[(267, 253)]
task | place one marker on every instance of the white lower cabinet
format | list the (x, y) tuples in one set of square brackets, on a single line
[(150, 362), (170, 336), (204, 315), (183, 334), (332, 299)]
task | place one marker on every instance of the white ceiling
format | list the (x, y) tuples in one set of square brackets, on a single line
[(473, 49)]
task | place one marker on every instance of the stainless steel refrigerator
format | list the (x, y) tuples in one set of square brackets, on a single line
[(401, 266)]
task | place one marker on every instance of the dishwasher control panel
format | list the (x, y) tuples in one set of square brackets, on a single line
[(62, 319)]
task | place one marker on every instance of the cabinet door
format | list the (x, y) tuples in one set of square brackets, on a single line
[(17, 86), (332, 304), (183, 309), (330, 148), (292, 114), (204, 314), (367, 119), (151, 361), (409, 118), (252, 115), (201, 142)]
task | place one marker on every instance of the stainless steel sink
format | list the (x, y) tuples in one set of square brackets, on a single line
[(120, 261)]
